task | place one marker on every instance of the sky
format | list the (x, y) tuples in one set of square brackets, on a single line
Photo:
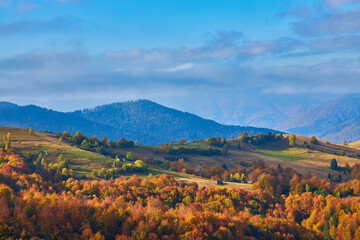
[(71, 54)]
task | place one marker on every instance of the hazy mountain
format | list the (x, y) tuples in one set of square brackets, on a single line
[(336, 121), (268, 110), (147, 121)]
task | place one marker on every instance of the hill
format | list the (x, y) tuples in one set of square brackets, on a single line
[(151, 119), (84, 163), (48, 120), (355, 144), (42, 194), (315, 161), (335, 121), (144, 120)]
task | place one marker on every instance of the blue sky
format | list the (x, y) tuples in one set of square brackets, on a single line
[(68, 54)]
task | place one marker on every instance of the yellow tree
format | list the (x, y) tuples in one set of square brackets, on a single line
[(292, 139)]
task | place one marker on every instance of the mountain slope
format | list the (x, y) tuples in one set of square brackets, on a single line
[(149, 118), (336, 121), (355, 144), (53, 121), (147, 121)]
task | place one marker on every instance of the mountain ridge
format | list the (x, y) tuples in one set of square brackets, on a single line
[(336, 120), (145, 120)]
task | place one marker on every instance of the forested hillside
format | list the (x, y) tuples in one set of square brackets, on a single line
[(36, 201), (146, 121), (152, 119), (48, 120)]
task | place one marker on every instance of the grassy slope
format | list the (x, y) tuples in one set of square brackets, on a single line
[(314, 162), (290, 154), (84, 162), (199, 145), (355, 144)]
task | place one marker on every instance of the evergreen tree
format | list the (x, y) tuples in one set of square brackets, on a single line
[(334, 165), (326, 231)]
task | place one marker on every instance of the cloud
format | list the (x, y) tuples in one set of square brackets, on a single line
[(339, 3), (282, 90), (57, 24), (5, 3), (332, 23), (322, 77), (24, 7), (54, 75), (272, 46), (214, 51), (298, 11), (180, 67), (336, 43), (224, 38)]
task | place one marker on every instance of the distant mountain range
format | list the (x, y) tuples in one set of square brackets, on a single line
[(144, 120), (250, 109), (335, 121)]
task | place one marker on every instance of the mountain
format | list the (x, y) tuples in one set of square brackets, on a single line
[(249, 109), (335, 121), (147, 121), (152, 119), (48, 120)]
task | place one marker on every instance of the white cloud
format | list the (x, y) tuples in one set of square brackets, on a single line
[(180, 67), (333, 23)]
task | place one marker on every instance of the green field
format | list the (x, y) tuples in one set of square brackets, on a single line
[(199, 145), (78, 153), (289, 154)]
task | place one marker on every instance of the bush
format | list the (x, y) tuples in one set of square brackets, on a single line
[(314, 140)]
